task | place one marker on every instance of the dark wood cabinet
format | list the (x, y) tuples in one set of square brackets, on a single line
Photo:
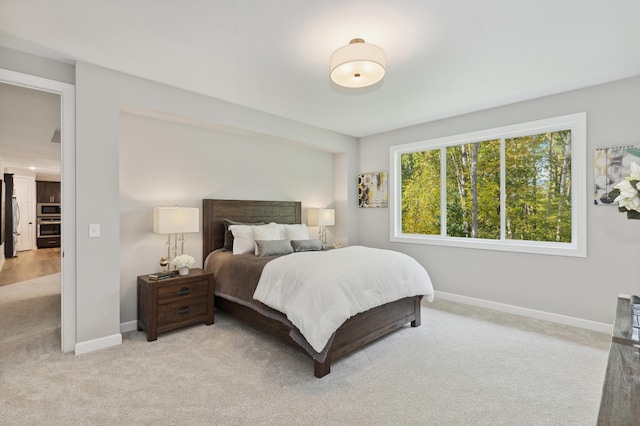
[(620, 403), (172, 303), (48, 192), (48, 242)]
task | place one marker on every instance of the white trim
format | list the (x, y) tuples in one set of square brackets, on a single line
[(577, 123), (128, 326), (68, 177), (97, 344), (526, 312)]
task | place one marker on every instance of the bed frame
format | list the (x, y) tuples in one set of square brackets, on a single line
[(355, 333)]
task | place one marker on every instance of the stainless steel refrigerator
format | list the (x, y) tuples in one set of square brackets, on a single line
[(15, 209)]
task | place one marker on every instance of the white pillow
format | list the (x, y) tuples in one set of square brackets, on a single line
[(266, 232), (283, 235), (296, 232), (245, 236), (243, 241)]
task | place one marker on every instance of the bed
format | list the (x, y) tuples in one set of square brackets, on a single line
[(232, 297)]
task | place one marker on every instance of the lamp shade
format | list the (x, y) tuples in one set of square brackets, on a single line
[(176, 220), (321, 217), (357, 64)]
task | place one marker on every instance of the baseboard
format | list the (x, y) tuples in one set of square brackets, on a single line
[(96, 344), (128, 326), (526, 312)]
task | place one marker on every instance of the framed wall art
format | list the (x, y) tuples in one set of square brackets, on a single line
[(373, 190), (611, 165)]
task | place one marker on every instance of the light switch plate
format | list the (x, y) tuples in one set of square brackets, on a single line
[(94, 230)]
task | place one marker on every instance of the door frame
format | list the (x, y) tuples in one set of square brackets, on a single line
[(68, 287)]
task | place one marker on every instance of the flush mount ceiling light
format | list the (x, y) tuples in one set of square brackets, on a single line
[(357, 64)]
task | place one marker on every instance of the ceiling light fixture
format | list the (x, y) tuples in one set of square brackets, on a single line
[(357, 64)]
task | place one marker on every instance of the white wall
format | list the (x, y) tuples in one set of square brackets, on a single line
[(584, 288), (164, 163)]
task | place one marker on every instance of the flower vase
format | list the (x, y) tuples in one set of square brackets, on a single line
[(183, 271)]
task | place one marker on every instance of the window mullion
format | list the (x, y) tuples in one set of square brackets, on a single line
[(503, 192), (443, 191)]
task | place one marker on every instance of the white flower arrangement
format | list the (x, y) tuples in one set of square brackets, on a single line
[(627, 193), (183, 261)]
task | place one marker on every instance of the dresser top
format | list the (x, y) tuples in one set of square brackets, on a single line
[(623, 332)]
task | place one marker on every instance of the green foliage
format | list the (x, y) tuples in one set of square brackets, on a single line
[(421, 192), (538, 187), (537, 195), (473, 190)]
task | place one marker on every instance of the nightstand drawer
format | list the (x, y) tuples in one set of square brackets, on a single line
[(182, 291), (174, 314)]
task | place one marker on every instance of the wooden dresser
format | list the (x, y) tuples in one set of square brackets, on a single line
[(174, 302), (620, 404)]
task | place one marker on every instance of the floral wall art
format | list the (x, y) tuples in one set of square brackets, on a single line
[(612, 165), (372, 190)]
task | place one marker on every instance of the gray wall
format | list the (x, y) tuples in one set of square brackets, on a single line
[(101, 96), (26, 63), (164, 163), (584, 288), (578, 287)]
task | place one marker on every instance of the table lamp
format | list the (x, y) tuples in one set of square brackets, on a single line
[(321, 218), (175, 221)]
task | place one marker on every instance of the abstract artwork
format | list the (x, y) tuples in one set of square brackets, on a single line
[(372, 190), (611, 165)]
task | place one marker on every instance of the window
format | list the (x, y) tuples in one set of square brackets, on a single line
[(515, 188)]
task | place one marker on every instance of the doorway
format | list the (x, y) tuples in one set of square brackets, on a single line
[(67, 160)]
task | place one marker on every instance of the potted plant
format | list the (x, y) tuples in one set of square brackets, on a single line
[(183, 263)]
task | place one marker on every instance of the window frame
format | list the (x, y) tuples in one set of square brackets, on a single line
[(576, 123)]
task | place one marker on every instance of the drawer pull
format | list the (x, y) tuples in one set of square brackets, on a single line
[(184, 291), (183, 310)]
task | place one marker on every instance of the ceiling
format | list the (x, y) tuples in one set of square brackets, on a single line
[(444, 58), (28, 120)]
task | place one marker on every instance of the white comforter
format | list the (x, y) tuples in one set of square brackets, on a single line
[(319, 291)]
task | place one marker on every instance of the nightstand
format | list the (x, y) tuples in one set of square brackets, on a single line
[(175, 302)]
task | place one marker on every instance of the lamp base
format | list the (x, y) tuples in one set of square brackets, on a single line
[(164, 262), (322, 235)]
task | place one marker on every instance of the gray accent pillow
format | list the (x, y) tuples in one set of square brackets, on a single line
[(306, 245), (273, 247), (228, 236)]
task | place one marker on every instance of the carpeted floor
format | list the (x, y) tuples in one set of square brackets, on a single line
[(463, 366)]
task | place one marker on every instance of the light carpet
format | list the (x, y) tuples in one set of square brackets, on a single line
[(463, 366)]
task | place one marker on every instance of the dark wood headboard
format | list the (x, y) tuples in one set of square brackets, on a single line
[(214, 212)]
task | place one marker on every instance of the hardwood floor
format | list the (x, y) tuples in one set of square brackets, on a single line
[(30, 264)]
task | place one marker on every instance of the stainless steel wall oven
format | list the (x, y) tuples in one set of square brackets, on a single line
[(49, 227)]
